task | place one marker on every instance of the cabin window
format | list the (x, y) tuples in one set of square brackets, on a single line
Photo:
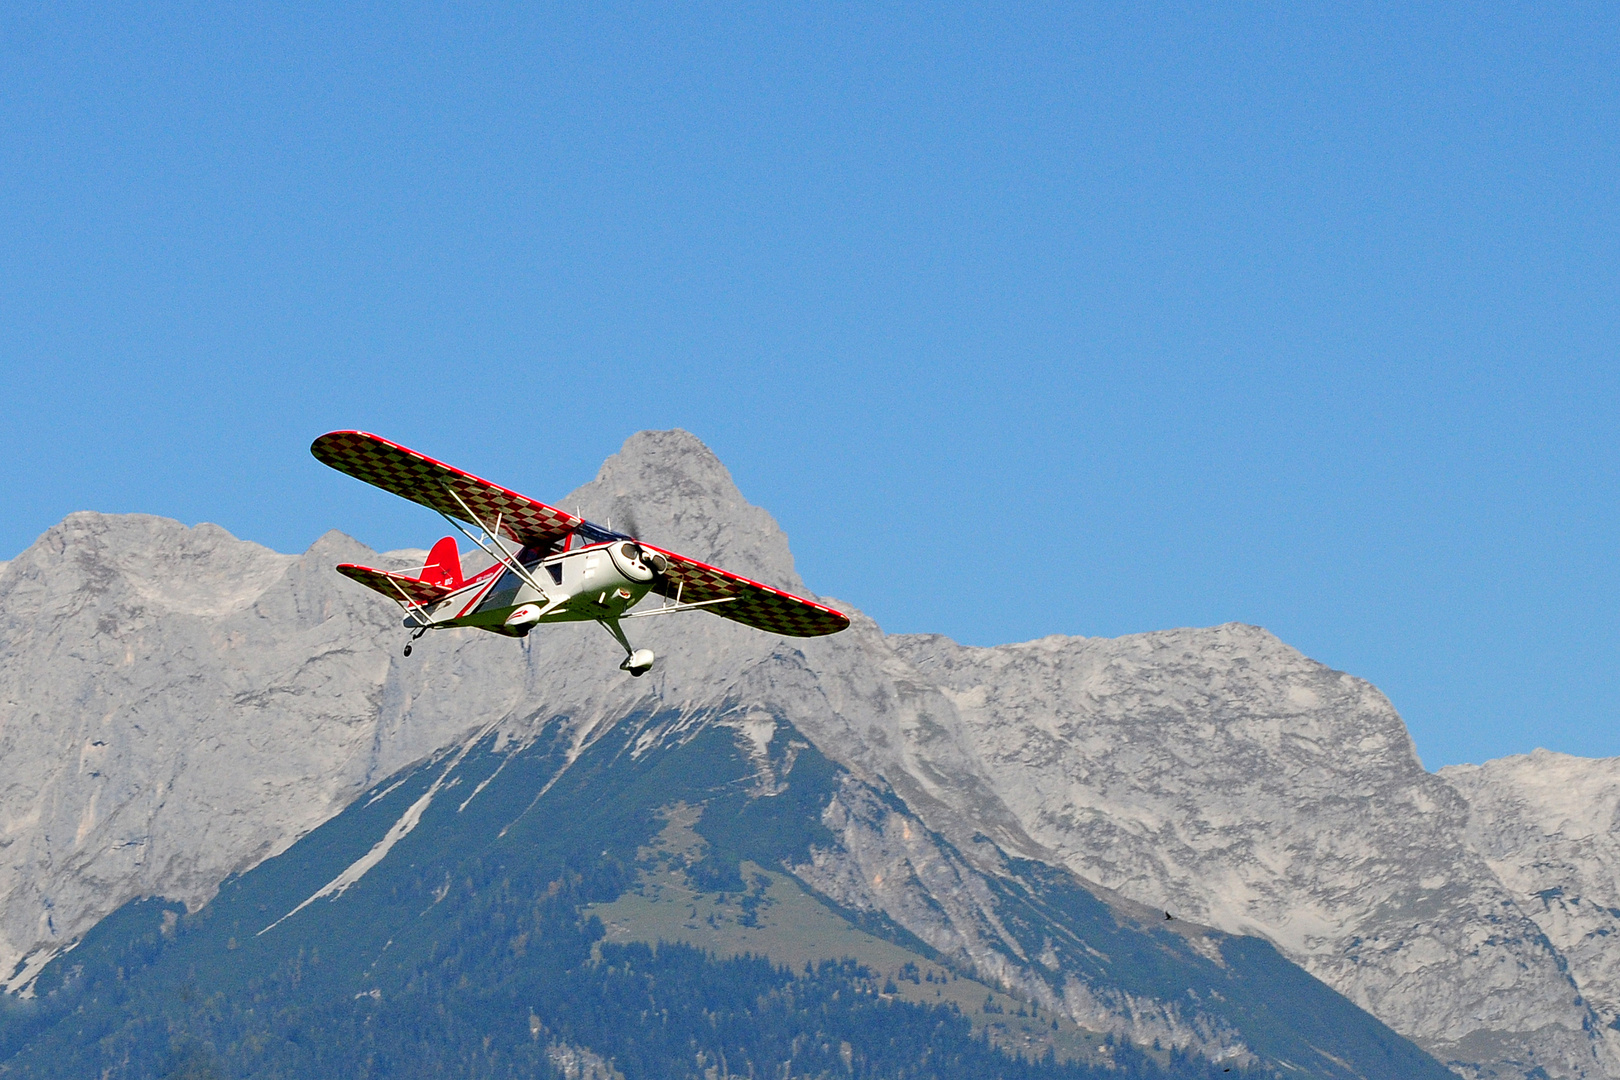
[(555, 570)]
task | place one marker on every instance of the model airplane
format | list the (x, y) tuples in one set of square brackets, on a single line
[(550, 566)]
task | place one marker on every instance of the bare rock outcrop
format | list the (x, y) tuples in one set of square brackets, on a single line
[(1221, 775), (177, 705), (1548, 825)]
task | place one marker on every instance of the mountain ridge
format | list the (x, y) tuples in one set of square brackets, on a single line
[(327, 654), (479, 868)]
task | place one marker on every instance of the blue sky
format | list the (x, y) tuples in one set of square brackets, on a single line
[(1068, 319)]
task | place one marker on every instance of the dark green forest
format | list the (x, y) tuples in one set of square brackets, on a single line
[(467, 950), (665, 1012)]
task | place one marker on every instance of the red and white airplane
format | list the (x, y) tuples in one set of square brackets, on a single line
[(550, 566)]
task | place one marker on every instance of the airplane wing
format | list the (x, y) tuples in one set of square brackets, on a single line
[(756, 605), (441, 487), (392, 585)]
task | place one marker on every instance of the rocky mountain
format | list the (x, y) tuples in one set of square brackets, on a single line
[(1548, 825), (177, 707), (527, 899), (1221, 775)]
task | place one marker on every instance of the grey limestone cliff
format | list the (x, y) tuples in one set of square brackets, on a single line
[(1222, 776), (1548, 825), (176, 705)]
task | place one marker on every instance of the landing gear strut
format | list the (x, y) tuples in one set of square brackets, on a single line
[(420, 630), (636, 661)]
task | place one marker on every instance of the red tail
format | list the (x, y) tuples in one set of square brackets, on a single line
[(443, 565)]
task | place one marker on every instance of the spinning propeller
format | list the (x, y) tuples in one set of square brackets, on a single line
[(649, 557)]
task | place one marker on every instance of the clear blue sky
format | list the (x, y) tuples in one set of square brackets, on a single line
[(1049, 320)]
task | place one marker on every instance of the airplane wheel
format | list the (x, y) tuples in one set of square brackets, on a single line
[(639, 662), (407, 650)]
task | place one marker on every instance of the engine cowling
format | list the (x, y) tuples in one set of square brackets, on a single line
[(629, 560)]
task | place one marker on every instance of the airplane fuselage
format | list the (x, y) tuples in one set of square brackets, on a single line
[(593, 583)]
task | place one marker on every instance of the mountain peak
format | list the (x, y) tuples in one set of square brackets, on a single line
[(670, 489), (177, 705)]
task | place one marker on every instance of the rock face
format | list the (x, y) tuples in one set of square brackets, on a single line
[(176, 705), (1223, 776), (1549, 826), (455, 933)]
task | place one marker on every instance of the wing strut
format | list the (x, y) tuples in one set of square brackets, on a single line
[(494, 549), (418, 612), (670, 609)]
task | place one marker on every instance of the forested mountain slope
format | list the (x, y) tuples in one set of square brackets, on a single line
[(177, 706), (450, 922)]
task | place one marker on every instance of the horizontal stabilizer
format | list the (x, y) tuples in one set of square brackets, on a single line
[(395, 586)]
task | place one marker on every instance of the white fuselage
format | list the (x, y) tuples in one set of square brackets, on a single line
[(594, 583)]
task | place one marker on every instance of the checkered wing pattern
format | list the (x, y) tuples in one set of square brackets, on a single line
[(437, 486), (756, 605), (391, 585)]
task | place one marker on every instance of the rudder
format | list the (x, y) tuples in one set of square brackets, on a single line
[(443, 565)]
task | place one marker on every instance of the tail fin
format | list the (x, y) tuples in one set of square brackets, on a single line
[(443, 565)]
